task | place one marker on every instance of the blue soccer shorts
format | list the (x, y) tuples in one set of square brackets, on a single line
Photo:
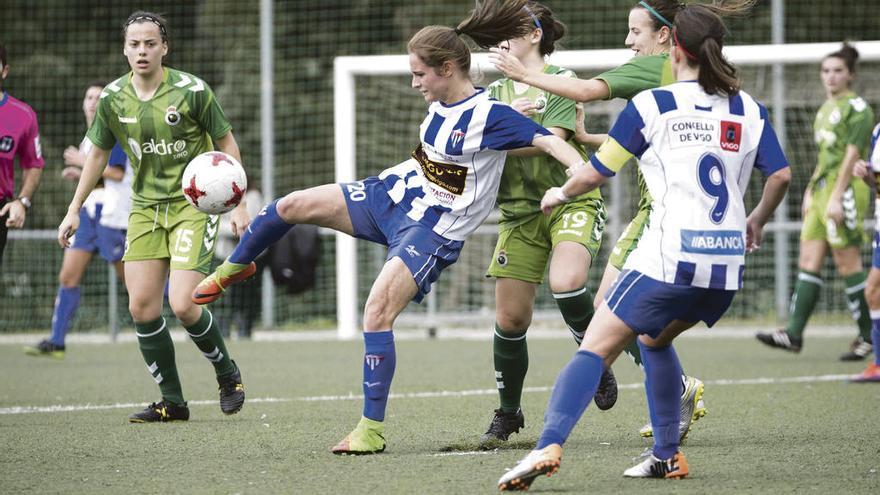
[(648, 306), (875, 257), (376, 218), (95, 238)]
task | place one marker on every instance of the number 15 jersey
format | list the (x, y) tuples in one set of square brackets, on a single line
[(696, 152)]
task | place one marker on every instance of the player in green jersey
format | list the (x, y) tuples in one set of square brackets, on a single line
[(163, 117), (569, 238), (650, 37), (834, 208)]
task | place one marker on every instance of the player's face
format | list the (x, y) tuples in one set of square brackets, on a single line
[(90, 102), (835, 76), (144, 48), (642, 38), (433, 85), (521, 47)]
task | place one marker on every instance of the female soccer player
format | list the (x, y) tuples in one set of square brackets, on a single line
[(102, 221), (697, 141), (834, 208), (569, 238), (422, 209), (650, 37), (163, 117)]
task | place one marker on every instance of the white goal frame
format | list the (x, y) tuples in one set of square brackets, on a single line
[(346, 69)]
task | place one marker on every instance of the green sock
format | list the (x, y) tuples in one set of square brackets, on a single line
[(632, 349), (855, 299), (206, 334), (511, 365), (154, 341), (577, 310), (803, 301)]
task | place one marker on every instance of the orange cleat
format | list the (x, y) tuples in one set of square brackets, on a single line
[(210, 289), (871, 374)]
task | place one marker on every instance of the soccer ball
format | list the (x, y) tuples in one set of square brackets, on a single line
[(214, 182)]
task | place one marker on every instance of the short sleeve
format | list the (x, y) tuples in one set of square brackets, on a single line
[(859, 124), (31, 155), (769, 157), (210, 115), (117, 157), (633, 77), (99, 133), (625, 140), (506, 129)]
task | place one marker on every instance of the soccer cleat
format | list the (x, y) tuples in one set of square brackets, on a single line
[(692, 409), (538, 462), (606, 394), (780, 339), (366, 438), (47, 349), (858, 350), (871, 374), (676, 467), (502, 425), (212, 287), (231, 391), (161, 412)]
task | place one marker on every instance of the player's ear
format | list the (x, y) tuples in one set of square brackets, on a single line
[(664, 34), (164, 48), (448, 68)]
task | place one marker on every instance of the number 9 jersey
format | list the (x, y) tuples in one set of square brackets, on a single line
[(696, 152)]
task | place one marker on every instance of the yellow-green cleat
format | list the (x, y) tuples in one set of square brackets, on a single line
[(366, 438), (45, 349), (692, 409)]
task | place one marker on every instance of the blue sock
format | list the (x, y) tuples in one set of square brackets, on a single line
[(663, 388), (875, 334), (66, 304), (266, 228), (379, 362), (574, 389)]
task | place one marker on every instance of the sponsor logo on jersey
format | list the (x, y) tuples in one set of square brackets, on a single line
[(717, 242), (176, 149), (127, 120), (447, 176), (541, 103), (6, 144), (731, 135), (691, 131), (172, 116)]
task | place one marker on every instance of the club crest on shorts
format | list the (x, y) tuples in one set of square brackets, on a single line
[(172, 116), (502, 258)]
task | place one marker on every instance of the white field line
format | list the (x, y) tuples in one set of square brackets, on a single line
[(410, 395)]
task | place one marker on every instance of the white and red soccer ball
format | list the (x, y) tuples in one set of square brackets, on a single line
[(214, 182)]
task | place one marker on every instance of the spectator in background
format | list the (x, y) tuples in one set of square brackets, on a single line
[(242, 302), (19, 136), (103, 220)]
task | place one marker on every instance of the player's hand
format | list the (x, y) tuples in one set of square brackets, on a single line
[(551, 200), (17, 213), (507, 64), (523, 106), (240, 219), (754, 235), (74, 157), (68, 227), (71, 173), (580, 128), (805, 204), (834, 211), (860, 169)]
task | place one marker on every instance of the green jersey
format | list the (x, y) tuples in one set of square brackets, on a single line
[(525, 179), (630, 79), (159, 135), (841, 121)]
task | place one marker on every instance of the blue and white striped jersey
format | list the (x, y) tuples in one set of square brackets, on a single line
[(452, 180), (696, 152), (874, 163)]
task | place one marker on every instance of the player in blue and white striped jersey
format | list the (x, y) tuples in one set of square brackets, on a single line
[(421, 209), (697, 142)]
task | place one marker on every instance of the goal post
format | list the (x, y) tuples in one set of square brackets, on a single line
[(348, 68)]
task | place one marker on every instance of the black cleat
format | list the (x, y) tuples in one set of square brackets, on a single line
[(780, 339), (858, 350), (606, 394), (231, 391), (502, 425), (161, 412), (46, 349)]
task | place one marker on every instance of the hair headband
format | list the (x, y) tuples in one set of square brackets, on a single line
[(534, 19), (685, 50), (656, 14), (152, 19)]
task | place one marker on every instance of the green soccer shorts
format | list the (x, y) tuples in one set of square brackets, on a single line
[(856, 201), (522, 251), (629, 239), (174, 231)]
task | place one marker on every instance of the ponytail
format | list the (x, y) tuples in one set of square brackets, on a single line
[(700, 32)]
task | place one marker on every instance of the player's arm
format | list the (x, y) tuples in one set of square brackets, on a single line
[(771, 161), (562, 85), (844, 176), (240, 218), (16, 209), (91, 172), (563, 134)]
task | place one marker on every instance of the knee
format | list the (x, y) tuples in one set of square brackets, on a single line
[(143, 310), (513, 321), (68, 280), (567, 282), (184, 309), (376, 316), (872, 295), (290, 208)]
